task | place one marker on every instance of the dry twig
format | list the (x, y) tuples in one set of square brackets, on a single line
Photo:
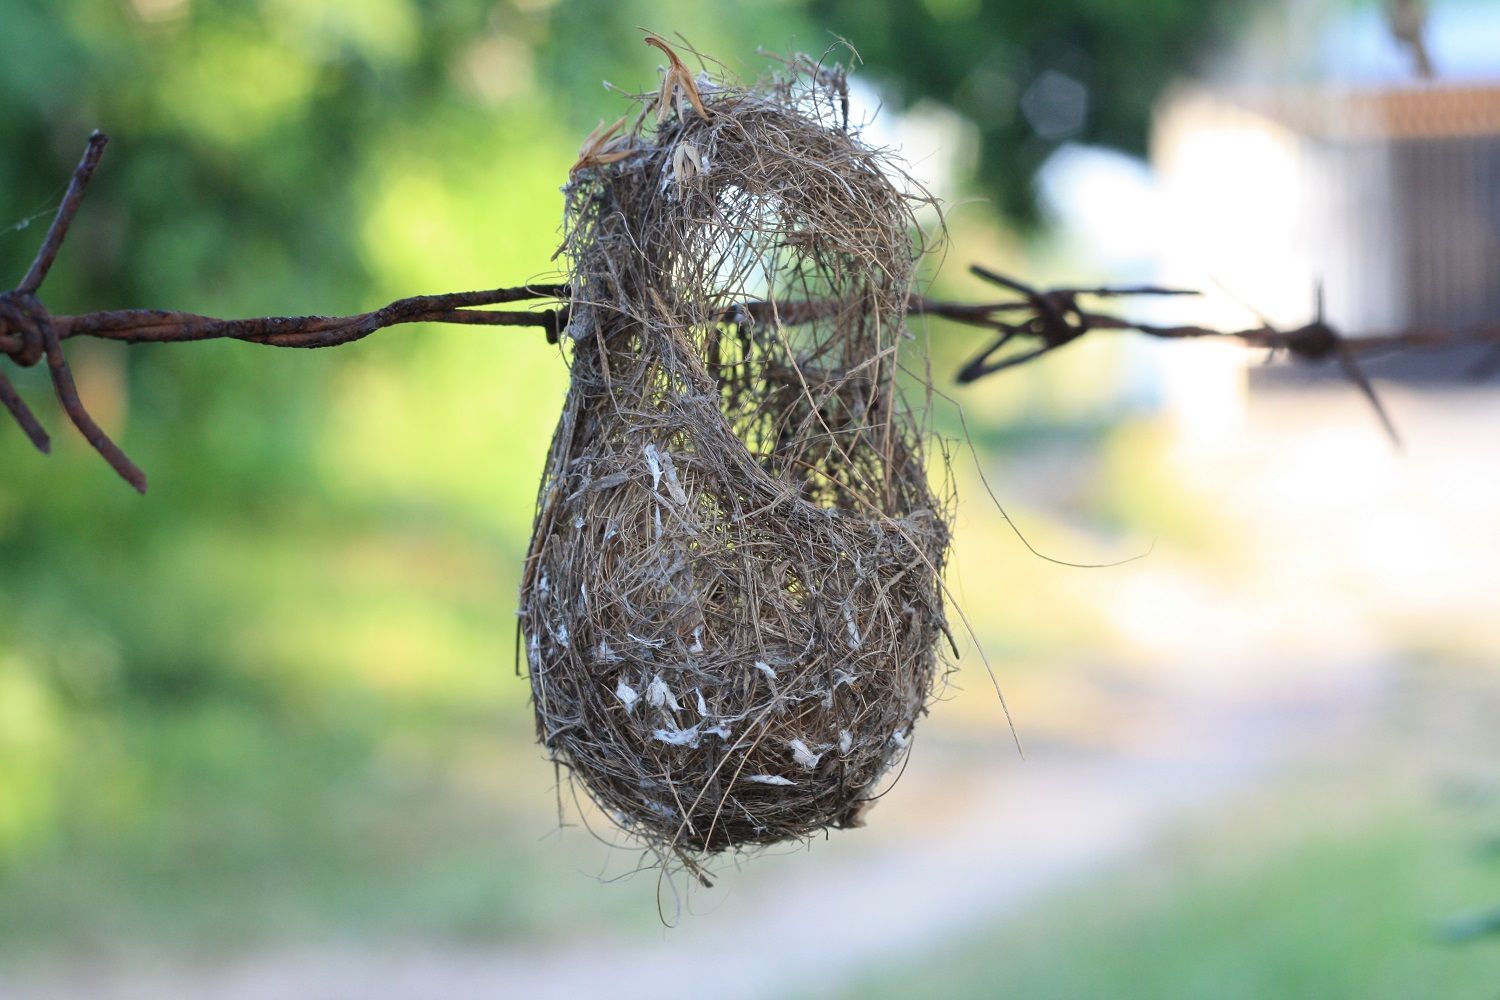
[(1408, 22)]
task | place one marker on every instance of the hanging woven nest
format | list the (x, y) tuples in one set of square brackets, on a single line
[(732, 603)]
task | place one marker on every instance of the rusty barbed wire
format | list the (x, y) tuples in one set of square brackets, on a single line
[(1046, 320), (29, 332), (1043, 320)]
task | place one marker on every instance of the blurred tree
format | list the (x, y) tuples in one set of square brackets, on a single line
[(1032, 74), (210, 685), (326, 560)]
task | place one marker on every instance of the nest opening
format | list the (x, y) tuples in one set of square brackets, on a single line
[(732, 606)]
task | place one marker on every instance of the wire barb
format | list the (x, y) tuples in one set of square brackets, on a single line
[(36, 337)]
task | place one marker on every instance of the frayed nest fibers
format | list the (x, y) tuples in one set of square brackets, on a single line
[(732, 604)]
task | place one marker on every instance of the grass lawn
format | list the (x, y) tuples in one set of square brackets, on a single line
[(224, 833), (1350, 905)]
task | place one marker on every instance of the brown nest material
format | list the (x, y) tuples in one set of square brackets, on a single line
[(732, 604)]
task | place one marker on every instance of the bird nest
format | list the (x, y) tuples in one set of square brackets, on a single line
[(732, 604)]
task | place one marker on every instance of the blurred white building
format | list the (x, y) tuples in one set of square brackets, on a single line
[(1320, 156)]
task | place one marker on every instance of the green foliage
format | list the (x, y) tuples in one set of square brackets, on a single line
[(199, 691), (1344, 915)]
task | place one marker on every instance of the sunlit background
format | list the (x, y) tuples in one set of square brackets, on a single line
[(261, 733)]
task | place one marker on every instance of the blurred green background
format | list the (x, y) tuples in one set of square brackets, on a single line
[(273, 703)]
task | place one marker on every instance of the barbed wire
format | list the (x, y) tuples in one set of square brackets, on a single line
[(29, 333), (1041, 321)]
